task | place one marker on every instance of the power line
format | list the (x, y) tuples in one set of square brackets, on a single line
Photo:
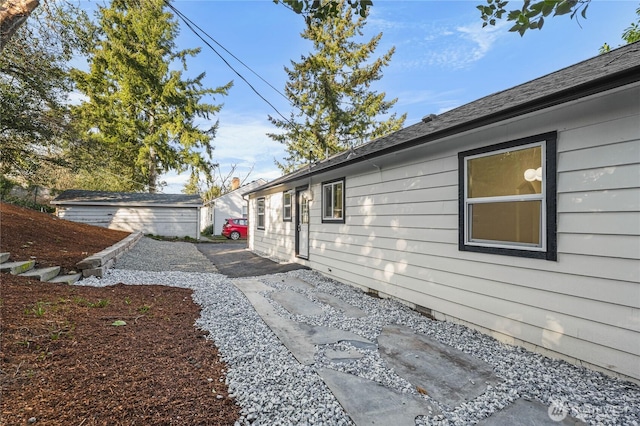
[(184, 17), (191, 26)]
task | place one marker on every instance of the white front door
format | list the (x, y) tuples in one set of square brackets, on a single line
[(302, 224)]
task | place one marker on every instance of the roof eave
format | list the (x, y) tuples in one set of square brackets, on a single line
[(603, 84)]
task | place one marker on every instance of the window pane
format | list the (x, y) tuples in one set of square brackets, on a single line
[(304, 211), (286, 208), (261, 213), (337, 201), (514, 222), (327, 201), (504, 174)]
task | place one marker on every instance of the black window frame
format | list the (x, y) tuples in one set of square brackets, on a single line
[(550, 251), (323, 200)]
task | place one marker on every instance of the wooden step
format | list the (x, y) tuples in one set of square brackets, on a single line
[(15, 268), (43, 274)]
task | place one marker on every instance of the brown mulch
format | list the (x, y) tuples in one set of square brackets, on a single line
[(63, 361)]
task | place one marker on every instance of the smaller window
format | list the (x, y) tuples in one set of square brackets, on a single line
[(286, 206), (333, 201), (260, 203)]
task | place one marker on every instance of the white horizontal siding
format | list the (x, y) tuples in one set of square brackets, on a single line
[(623, 126), (170, 221), (375, 251), (599, 179), (614, 246), (615, 155), (277, 240), (226, 207), (614, 200), (613, 223), (400, 237), (399, 266)]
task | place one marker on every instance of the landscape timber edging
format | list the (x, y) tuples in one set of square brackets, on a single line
[(97, 264)]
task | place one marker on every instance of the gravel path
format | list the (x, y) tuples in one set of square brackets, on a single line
[(154, 255), (274, 389)]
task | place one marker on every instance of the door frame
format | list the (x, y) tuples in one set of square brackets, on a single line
[(298, 222)]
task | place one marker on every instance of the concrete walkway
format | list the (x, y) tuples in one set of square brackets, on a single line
[(444, 374), (234, 260)]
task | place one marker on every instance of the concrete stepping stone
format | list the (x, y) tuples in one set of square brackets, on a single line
[(16, 268), (321, 335), (300, 339), (297, 283), (66, 279), (368, 402), (347, 309), (343, 356), (296, 303), (43, 274), (529, 413), (4, 257), (287, 331), (448, 375)]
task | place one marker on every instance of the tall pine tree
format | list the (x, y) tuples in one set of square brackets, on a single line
[(331, 91), (140, 108)]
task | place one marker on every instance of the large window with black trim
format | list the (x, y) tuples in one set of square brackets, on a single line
[(260, 212), (508, 198), (333, 201)]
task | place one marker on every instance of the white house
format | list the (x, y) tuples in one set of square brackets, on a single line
[(169, 215), (517, 214), (229, 205)]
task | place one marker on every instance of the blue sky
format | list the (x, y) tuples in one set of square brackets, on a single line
[(443, 59)]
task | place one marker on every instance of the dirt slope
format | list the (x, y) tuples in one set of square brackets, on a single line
[(64, 362), (51, 241)]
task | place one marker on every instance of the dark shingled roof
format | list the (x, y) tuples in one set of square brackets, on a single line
[(76, 196), (603, 72)]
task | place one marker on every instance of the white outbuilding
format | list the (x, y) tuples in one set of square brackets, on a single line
[(167, 215), (231, 205)]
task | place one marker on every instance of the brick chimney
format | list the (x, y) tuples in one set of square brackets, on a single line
[(235, 183)]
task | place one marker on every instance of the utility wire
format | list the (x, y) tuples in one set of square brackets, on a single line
[(191, 25), (188, 24), (184, 17)]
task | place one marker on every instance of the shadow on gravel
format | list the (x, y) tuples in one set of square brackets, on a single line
[(235, 261)]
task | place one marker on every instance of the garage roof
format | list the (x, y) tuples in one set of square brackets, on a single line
[(97, 198)]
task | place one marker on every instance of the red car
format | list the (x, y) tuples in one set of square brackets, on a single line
[(235, 228)]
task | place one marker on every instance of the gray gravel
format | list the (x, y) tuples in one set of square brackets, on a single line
[(154, 255), (274, 389)]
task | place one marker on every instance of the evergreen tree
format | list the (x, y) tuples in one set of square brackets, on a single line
[(192, 186), (331, 90), (140, 110), (34, 86), (630, 35)]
